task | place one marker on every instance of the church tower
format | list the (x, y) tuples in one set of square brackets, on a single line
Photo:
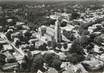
[(58, 30)]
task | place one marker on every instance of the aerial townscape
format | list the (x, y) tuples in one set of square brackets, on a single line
[(52, 36)]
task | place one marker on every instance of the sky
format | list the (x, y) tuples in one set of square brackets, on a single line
[(46, 0), (35, 0)]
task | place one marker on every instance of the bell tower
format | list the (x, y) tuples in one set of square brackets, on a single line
[(58, 30)]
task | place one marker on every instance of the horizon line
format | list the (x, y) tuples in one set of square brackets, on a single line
[(46, 0)]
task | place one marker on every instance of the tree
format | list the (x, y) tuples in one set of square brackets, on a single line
[(65, 46), (76, 47), (98, 28), (56, 63), (75, 15), (59, 45), (92, 37), (2, 60), (79, 44), (49, 43), (85, 32), (75, 58), (84, 40), (27, 61), (49, 57), (98, 40), (89, 47), (37, 63), (63, 24), (53, 60), (43, 47), (69, 35)]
